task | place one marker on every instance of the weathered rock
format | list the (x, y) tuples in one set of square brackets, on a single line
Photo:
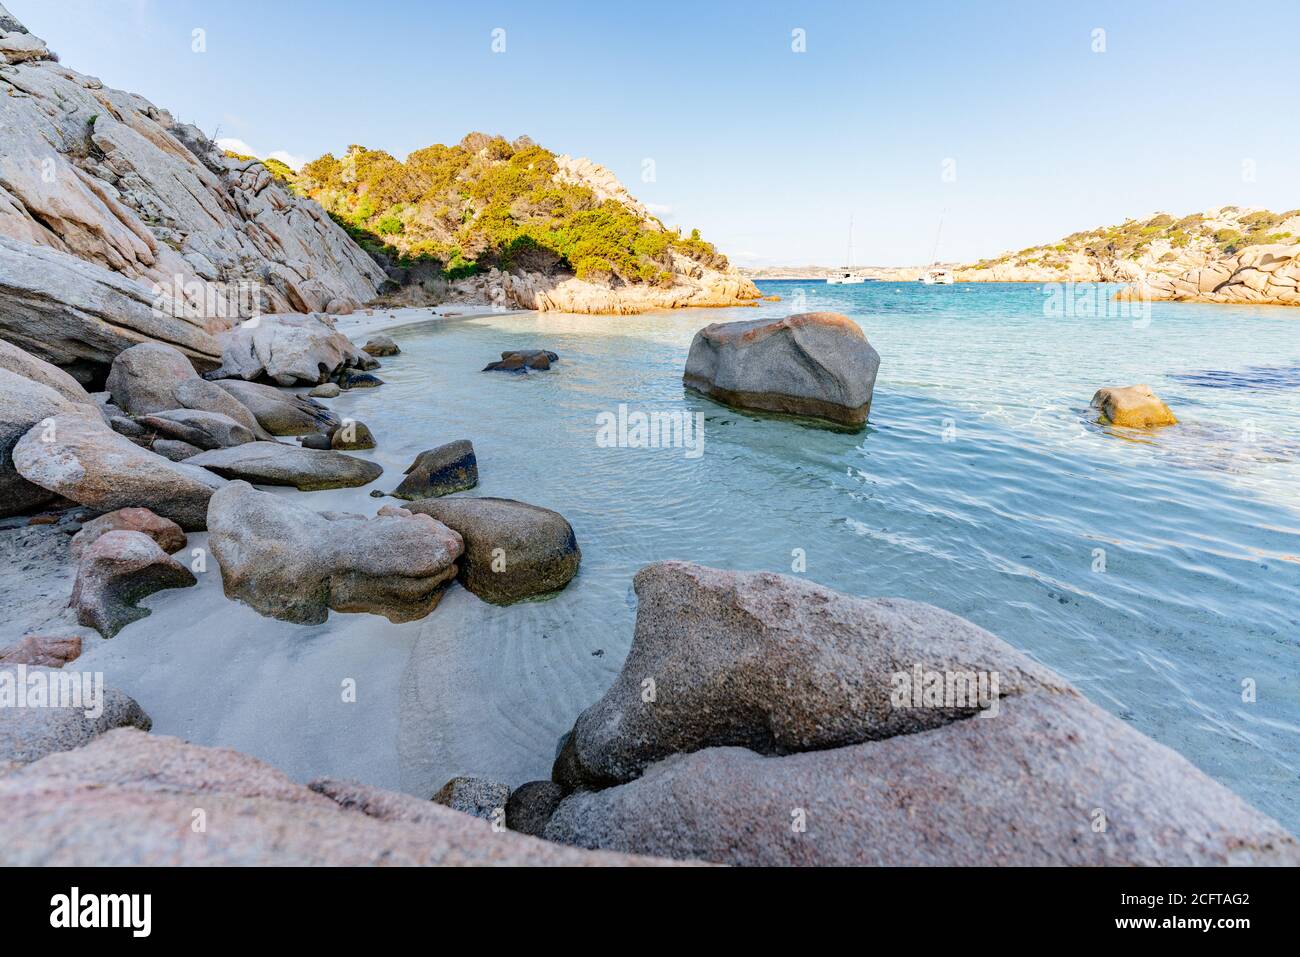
[(117, 801), (30, 733), (1024, 788), (23, 363), (352, 436), (144, 378), (204, 430), (522, 360), (531, 806), (165, 533), (288, 350), (816, 364), (315, 440), (175, 450), (275, 463), (45, 651), (24, 405), (292, 563), (1133, 407), (351, 379), (513, 550), (116, 571), (326, 390), (204, 396), (476, 796), (281, 413), (448, 468), (381, 346), (775, 664), (92, 465)]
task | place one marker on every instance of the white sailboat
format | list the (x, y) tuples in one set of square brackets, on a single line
[(936, 275), (847, 276)]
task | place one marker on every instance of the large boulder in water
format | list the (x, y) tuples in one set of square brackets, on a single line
[(816, 364), (275, 463), (841, 762), (1133, 407), (513, 550), (295, 564), (448, 468), (280, 412), (82, 459), (775, 664), (25, 404), (116, 571)]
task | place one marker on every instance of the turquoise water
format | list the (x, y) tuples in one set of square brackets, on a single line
[(982, 485)]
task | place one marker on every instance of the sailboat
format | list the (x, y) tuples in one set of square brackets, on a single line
[(847, 276), (936, 275)]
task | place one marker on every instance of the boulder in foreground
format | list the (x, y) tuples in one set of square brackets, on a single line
[(816, 364), (30, 733), (1133, 407), (513, 550), (274, 463), (1033, 774), (448, 468), (118, 570), (117, 801), (84, 460), (295, 564)]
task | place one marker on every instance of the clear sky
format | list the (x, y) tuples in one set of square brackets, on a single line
[(766, 150)]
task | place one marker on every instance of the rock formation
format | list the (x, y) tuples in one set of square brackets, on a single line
[(817, 364), (1133, 407), (117, 570), (274, 463), (448, 468)]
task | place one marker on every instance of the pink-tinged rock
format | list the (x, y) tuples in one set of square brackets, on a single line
[(164, 531), (47, 651), (118, 570)]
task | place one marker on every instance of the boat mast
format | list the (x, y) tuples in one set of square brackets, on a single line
[(848, 263), (934, 258)]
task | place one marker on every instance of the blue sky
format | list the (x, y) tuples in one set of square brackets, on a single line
[(766, 150)]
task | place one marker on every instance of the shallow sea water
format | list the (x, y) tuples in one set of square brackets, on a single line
[(982, 485)]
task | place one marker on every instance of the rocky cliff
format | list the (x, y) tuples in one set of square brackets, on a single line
[(1225, 254), (120, 224)]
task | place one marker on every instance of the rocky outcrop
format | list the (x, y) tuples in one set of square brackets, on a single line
[(117, 570), (275, 463), (122, 224), (165, 533), (279, 412), (816, 364), (478, 797), (289, 562), (116, 802), (84, 460), (858, 750), (1132, 407), (513, 550), (24, 405), (1260, 275), (76, 708), (45, 651), (289, 350), (448, 468)]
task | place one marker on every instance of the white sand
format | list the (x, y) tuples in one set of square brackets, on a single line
[(369, 321)]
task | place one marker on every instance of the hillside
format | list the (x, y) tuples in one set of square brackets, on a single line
[(512, 220)]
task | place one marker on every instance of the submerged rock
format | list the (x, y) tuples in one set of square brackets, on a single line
[(776, 664), (279, 412), (448, 468), (165, 533), (351, 379), (117, 570), (117, 801), (475, 796), (381, 346), (1023, 783), (203, 430), (295, 564), (45, 651), (513, 550), (522, 360), (1133, 407), (274, 463), (816, 364), (31, 733), (84, 460)]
